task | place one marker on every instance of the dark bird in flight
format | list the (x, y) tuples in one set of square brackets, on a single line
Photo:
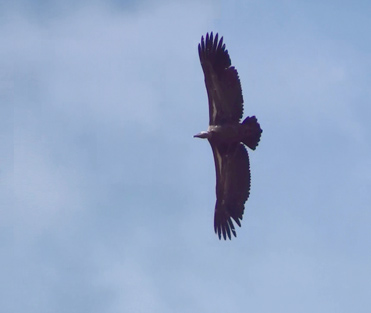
[(227, 135)]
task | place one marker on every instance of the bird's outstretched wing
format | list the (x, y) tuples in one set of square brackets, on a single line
[(232, 186), (221, 80)]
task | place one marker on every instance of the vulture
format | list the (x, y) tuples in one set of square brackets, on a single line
[(227, 135)]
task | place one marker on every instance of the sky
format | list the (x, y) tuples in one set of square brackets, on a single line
[(107, 200)]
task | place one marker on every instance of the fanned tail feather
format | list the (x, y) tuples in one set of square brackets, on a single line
[(252, 132)]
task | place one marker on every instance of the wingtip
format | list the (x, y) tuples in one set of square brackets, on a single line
[(225, 228)]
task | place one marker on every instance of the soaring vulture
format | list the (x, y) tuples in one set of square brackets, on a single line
[(227, 135)]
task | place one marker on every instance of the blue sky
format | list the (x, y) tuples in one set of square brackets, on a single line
[(106, 199)]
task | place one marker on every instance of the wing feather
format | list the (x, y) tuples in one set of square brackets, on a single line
[(222, 82), (232, 186)]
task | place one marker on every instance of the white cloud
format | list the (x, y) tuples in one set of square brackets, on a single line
[(86, 71), (45, 192)]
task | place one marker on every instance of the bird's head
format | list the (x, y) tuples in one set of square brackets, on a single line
[(203, 135)]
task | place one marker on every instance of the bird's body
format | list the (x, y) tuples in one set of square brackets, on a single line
[(226, 135)]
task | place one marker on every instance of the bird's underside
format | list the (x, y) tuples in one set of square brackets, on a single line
[(226, 135)]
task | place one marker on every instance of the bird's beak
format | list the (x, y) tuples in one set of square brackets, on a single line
[(202, 135)]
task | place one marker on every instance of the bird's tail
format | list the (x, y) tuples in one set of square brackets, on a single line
[(252, 132)]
